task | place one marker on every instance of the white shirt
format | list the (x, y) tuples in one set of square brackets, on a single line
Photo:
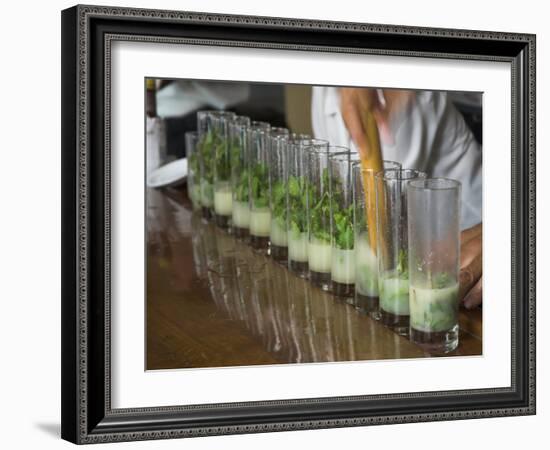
[(430, 136)]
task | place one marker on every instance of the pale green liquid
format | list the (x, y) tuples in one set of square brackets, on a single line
[(207, 194), (394, 295), (319, 256), (297, 247), (241, 214), (278, 234), (366, 262), (434, 310), (223, 200), (343, 266), (260, 222)]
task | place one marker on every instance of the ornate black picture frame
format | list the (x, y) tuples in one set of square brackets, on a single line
[(87, 34)]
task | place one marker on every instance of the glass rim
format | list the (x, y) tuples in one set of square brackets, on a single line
[(383, 174), (240, 120), (300, 137), (259, 125), (306, 142), (292, 139), (323, 149), (239, 126), (278, 131), (217, 112), (361, 169), (435, 184), (278, 138), (338, 156)]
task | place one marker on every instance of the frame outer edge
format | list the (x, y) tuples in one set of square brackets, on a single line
[(75, 208), (292, 23), (69, 265), (531, 236)]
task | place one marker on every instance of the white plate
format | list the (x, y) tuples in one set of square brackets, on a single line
[(171, 174)]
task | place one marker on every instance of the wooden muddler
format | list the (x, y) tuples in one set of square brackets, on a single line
[(371, 163)]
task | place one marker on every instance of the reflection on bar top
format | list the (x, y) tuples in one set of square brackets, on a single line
[(213, 301)]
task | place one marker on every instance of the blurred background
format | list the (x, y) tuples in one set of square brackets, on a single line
[(176, 102)]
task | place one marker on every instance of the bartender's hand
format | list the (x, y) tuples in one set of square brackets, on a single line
[(471, 267), (354, 101)]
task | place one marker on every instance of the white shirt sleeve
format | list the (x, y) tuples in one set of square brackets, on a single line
[(430, 136)]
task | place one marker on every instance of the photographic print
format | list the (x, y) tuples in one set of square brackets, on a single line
[(310, 224)]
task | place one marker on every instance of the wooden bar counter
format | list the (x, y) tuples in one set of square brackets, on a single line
[(212, 302)]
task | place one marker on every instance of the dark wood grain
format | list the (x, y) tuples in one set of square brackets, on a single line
[(213, 302)]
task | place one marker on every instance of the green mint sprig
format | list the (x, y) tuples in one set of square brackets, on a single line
[(342, 218), (319, 220), (441, 280), (259, 185), (278, 202), (403, 264), (297, 193), (222, 158), (239, 171), (343, 227)]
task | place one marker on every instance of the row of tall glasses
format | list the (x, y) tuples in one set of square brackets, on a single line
[(386, 241)]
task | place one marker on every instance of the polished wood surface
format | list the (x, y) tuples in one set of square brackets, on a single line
[(213, 302)]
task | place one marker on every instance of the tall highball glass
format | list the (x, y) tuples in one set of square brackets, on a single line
[(341, 215), (392, 238), (223, 197), (297, 203), (278, 174), (366, 261), (213, 136), (318, 216), (434, 254), (240, 214), (193, 175), (258, 185)]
